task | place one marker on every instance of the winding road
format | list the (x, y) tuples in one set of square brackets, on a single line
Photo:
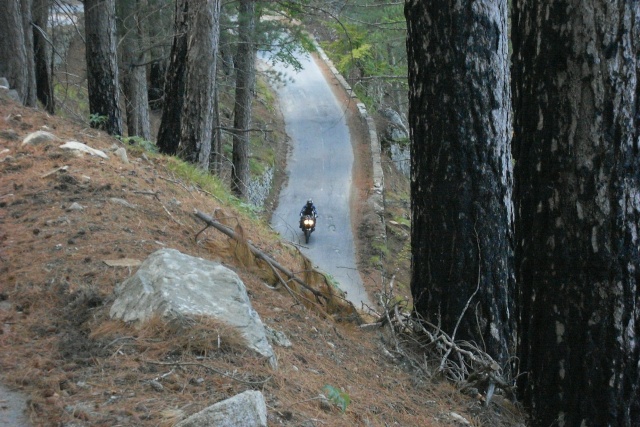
[(319, 166)]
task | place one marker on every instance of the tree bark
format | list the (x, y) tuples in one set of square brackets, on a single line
[(197, 112), (245, 82), (16, 49), (169, 133), (461, 170), (102, 67), (576, 140), (135, 75), (217, 156), (43, 75)]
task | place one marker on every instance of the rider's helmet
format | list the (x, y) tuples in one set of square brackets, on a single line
[(309, 202)]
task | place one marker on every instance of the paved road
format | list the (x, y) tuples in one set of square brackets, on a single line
[(319, 166)]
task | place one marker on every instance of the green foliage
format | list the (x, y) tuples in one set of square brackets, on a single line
[(352, 50), (381, 247), (96, 120), (367, 44), (339, 398), (139, 142)]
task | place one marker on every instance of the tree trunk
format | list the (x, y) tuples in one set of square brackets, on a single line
[(576, 141), (460, 125), (135, 74), (197, 115), (245, 82), (16, 49), (102, 67), (169, 133), (44, 82), (217, 156)]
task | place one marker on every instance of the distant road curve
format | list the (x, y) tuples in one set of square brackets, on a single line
[(319, 166)]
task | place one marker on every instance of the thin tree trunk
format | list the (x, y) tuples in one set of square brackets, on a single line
[(102, 67), (245, 82), (460, 124), (577, 143), (217, 156), (135, 75)]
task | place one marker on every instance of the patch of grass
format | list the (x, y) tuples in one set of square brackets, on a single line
[(402, 220), (380, 247), (266, 95), (139, 145), (211, 184)]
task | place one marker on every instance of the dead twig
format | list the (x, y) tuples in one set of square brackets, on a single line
[(217, 371)]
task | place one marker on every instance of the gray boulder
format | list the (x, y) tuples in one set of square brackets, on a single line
[(246, 409), (39, 137), (170, 283), (83, 148)]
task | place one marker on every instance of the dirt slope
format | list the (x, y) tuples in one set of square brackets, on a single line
[(65, 218)]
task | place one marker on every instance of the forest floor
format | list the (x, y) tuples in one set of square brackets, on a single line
[(72, 227)]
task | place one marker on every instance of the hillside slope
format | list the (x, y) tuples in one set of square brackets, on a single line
[(72, 227)]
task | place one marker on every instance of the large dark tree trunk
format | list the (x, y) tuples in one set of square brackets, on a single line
[(44, 83), (197, 112), (169, 133), (577, 146), (16, 49), (245, 82), (102, 67), (459, 116), (135, 69)]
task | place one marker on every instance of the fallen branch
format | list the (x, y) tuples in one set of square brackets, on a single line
[(202, 365), (258, 253)]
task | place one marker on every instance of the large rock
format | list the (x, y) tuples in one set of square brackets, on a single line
[(246, 409), (170, 283), (83, 148), (395, 131)]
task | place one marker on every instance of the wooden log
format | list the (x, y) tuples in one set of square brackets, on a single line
[(258, 253)]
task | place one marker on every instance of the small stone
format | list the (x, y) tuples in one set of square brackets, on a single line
[(156, 385), (122, 202), (75, 206), (122, 154), (277, 337), (325, 405)]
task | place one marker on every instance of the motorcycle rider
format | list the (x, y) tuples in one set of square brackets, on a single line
[(309, 209)]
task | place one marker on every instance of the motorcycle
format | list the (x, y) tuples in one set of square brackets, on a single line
[(308, 223)]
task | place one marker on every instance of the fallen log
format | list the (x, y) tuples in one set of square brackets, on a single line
[(258, 253)]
